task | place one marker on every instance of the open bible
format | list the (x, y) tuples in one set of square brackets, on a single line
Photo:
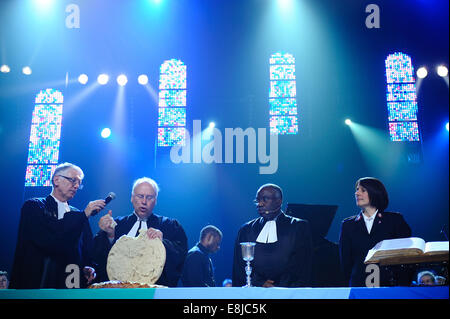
[(402, 247)]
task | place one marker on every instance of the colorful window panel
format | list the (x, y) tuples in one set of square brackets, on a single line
[(401, 98), (172, 104), (45, 135), (282, 95)]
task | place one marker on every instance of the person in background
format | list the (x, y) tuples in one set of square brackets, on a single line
[(198, 268), (227, 283), (362, 232), (4, 282)]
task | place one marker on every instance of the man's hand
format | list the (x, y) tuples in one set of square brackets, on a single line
[(89, 274), (107, 223), (98, 204), (268, 283), (153, 233)]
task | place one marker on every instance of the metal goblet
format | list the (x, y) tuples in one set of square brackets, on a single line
[(248, 253)]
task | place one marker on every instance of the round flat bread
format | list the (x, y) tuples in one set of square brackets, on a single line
[(136, 259)]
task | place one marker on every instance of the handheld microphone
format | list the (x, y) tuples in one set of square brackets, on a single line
[(108, 198)]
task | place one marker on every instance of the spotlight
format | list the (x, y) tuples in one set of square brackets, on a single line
[(26, 70), (122, 80), (348, 122), (83, 78), (422, 73), (212, 124), (446, 126), (442, 70), (142, 79), (103, 79), (5, 69), (106, 132)]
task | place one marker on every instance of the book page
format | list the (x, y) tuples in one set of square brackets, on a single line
[(436, 247), (393, 247), (401, 243)]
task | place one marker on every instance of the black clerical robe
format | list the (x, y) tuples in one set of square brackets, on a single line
[(287, 262), (198, 269), (174, 240), (46, 246)]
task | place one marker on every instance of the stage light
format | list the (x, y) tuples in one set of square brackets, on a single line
[(83, 78), (142, 79), (5, 69), (106, 132), (442, 70), (103, 79), (212, 124), (26, 70), (348, 122), (122, 79), (422, 73), (446, 126)]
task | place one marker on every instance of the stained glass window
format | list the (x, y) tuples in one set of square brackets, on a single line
[(282, 95), (401, 98), (43, 150), (172, 103)]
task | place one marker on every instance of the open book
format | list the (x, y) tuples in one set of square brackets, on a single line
[(400, 247)]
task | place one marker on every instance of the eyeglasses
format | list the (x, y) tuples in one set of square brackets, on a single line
[(147, 197), (74, 181), (265, 199)]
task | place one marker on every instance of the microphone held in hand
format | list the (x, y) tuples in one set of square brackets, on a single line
[(108, 198)]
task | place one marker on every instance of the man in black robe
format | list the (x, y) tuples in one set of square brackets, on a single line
[(53, 235), (143, 197), (283, 249)]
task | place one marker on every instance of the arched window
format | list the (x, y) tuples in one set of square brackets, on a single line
[(43, 150), (401, 98), (282, 95), (172, 103)]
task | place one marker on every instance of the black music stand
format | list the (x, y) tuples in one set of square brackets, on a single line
[(326, 270)]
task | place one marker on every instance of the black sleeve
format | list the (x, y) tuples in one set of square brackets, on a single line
[(299, 268), (175, 242)]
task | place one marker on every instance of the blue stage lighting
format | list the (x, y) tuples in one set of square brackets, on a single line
[(103, 79), (26, 70), (122, 80), (106, 132), (442, 70), (143, 79), (212, 125), (348, 122), (446, 126), (5, 69), (83, 79)]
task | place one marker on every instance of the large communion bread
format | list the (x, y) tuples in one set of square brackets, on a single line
[(136, 259), (122, 284)]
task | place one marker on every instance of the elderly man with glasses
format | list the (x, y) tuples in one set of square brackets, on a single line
[(144, 196), (54, 235), (283, 245)]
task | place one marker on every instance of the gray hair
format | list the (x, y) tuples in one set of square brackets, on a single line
[(61, 168), (148, 180)]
